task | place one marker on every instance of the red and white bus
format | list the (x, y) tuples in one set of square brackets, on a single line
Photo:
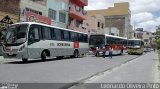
[(119, 44)]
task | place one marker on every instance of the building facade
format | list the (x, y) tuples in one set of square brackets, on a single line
[(94, 24), (57, 10), (147, 38), (34, 11), (77, 14), (9, 8), (118, 16)]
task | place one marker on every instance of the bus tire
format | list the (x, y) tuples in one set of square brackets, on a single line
[(43, 56), (60, 57), (24, 60), (76, 54)]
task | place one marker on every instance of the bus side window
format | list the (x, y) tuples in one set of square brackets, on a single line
[(74, 36), (62, 35), (58, 34), (46, 34), (80, 37), (34, 34), (66, 35), (53, 37), (107, 41), (85, 38)]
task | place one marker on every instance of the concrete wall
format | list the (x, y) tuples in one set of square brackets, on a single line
[(114, 31)]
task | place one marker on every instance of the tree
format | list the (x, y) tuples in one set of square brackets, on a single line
[(157, 33)]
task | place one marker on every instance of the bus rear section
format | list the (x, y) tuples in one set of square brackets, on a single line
[(106, 41), (135, 46)]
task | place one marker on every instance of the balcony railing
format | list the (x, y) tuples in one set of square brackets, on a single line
[(77, 12)]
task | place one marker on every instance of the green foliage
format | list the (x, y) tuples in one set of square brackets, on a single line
[(158, 36), (158, 43)]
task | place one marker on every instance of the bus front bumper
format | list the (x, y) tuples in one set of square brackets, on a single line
[(15, 55), (134, 51)]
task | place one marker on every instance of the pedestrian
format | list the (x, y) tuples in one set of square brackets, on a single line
[(104, 51), (97, 52), (110, 51), (154, 49)]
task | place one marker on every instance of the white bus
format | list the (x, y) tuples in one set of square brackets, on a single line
[(119, 44), (30, 40)]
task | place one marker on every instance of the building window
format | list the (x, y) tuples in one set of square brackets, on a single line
[(52, 14), (102, 25), (98, 24), (78, 9), (78, 23), (34, 11), (62, 17)]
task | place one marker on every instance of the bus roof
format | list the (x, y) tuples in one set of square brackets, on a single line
[(111, 36), (49, 26)]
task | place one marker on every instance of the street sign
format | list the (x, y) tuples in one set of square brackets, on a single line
[(7, 20)]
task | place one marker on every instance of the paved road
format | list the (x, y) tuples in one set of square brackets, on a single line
[(59, 71)]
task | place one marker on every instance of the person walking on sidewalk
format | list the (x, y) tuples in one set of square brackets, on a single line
[(110, 51), (97, 52)]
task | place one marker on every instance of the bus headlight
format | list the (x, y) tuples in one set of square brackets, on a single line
[(22, 48)]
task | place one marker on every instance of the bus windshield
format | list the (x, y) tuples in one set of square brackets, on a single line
[(97, 41), (16, 34), (134, 43)]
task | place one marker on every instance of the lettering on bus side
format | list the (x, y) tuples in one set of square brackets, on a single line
[(63, 44), (52, 44)]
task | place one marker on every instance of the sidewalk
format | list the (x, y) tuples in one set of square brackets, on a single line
[(141, 70)]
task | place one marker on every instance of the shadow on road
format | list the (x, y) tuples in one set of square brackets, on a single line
[(36, 61)]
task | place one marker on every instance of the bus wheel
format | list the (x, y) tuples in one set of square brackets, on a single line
[(60, 57), (24, 60), (76, 54), (43, 56)]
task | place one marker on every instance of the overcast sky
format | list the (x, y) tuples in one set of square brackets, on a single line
[(145, 13)]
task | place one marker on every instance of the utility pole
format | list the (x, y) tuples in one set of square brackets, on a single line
[(134, 25), (110, 22)]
